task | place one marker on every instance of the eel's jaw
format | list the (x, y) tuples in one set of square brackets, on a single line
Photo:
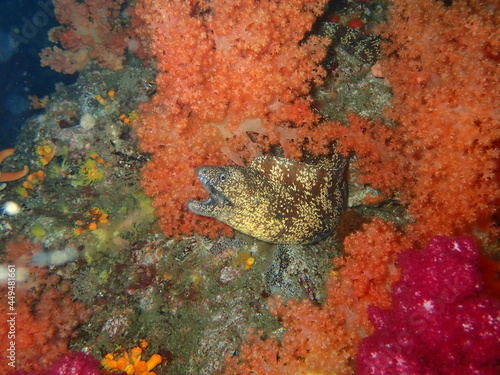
[(216, 199)]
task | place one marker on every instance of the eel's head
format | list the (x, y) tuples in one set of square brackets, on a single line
[(220, 183)]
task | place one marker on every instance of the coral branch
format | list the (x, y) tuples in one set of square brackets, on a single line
[(443, 68), (91, 30)]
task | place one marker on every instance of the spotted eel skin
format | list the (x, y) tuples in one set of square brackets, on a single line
[(275, 199)]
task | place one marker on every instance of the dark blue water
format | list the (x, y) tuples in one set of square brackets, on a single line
[(24, 25)]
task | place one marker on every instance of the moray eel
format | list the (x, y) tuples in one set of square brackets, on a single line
[(275, 199)]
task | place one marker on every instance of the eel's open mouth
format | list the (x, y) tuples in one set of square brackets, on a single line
[(215, 197)]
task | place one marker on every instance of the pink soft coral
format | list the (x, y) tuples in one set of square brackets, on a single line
[(72, 363), (441, 322)]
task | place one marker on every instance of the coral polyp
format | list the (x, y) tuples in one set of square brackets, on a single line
[(89, 172)]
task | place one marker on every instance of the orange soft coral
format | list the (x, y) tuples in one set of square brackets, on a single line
[(442, 155), (91, 30), (11, 176), (323, 339), (229, 77), (377, 148), (443, 67), (46, 314)]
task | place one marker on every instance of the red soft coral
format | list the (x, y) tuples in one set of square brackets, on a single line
[(377, 148), (443, 67), (440, 321), (442, 155), (46, 314), (231, 78), (91, 30)]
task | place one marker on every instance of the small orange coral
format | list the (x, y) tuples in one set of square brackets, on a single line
[(323, 339), (46, 152), (89, 172), (131, 364)]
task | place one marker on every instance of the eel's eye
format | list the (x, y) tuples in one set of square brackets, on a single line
[(222, 178)]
